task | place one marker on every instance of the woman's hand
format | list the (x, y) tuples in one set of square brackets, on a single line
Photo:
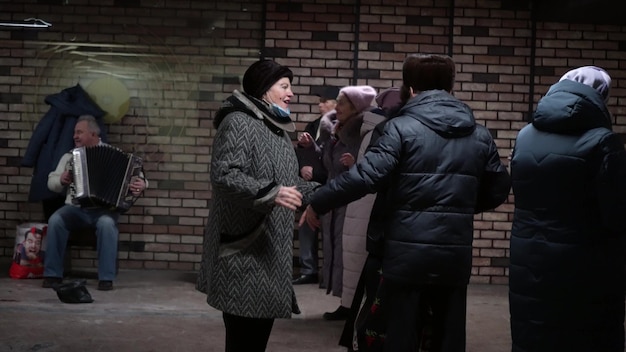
[(347, 160), (289, 197), (307, 173), (310, 216), (305, 140)]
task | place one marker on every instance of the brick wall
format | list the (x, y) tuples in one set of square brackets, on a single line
[(180, 59)]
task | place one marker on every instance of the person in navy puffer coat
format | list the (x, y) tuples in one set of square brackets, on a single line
[(438, 168), (566, 287), (53, 137)]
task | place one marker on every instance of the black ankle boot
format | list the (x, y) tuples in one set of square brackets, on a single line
[(340, 314)]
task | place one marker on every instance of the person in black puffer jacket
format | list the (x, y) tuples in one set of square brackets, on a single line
[(566, 285), (438, 168)]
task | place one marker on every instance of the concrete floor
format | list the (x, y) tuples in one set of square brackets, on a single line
[(161, 311)]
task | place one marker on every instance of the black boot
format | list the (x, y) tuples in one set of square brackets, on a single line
[(305, 279), (340, 314)]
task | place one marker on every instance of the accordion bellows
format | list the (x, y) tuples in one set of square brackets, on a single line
[(102, 177)]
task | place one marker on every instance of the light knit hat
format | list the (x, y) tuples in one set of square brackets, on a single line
[(592, 76), (361, 97)]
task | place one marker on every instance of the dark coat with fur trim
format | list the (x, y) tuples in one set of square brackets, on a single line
[(311, 156), (247, 258), (567, 245)]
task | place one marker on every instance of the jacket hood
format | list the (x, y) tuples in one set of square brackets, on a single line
[(442, 113), (246, 103), (571, 108), (74, 101), (371, 119)]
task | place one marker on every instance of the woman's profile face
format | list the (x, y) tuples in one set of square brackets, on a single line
[(280, 93), (345, 109)]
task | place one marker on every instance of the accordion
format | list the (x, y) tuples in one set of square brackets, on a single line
[(102, 177)]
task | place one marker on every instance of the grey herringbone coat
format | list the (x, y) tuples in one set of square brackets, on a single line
[(248, 242)]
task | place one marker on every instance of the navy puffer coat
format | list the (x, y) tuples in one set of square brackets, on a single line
[(567, 254), (438, 168)]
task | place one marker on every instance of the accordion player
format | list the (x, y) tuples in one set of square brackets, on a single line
[(102, 177)]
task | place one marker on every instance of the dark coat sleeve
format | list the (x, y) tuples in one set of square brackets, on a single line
[(51, 139), (312, 156), (369, 175), (611, 184), (38, 139), (495, 184)]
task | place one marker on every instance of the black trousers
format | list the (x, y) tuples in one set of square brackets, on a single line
[(364, 297), (246, 334), (434, 315)]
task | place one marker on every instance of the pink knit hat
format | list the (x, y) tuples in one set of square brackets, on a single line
[(360, 96)]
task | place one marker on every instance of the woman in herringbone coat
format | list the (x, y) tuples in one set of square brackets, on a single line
[(247, 269)]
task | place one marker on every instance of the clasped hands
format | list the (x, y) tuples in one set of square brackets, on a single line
[(310, 217), (291, 198)]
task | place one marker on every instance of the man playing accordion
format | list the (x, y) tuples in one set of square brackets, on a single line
[(72, 216)]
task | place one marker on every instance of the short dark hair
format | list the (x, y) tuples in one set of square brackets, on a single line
[(427, 72), (328, 93)]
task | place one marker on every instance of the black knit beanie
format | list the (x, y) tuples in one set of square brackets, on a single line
[(262, 75)]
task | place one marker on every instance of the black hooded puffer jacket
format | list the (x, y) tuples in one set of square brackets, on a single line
[(567, 254), (438, 168)]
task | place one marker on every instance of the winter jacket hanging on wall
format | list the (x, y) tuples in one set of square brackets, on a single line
[(54, 136)]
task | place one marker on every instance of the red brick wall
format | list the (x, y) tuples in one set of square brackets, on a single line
[(179, 59)]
